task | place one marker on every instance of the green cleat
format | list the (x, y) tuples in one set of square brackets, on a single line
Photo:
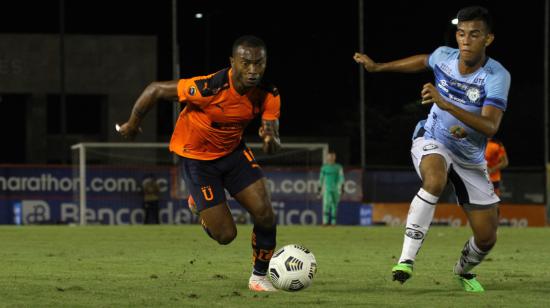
[(402, 271), (469, 283)]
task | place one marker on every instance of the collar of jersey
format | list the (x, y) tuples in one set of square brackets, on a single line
[(231, 87)]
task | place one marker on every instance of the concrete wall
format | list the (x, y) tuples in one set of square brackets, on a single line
[(118, 67)]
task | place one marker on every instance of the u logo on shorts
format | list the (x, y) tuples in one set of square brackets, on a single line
[(207, 193)]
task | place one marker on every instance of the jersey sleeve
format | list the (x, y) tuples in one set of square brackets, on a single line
[(272, 109), (188, 91), (497, 87), (440, 54)]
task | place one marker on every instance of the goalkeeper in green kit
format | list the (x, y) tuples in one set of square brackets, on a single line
[(331, 185)]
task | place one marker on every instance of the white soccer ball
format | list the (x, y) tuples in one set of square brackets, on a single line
[(292, 268)]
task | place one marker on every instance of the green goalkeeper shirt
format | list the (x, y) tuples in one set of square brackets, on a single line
[(331, 177)]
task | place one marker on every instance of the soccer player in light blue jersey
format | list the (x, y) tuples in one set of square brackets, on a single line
[(469, 97)]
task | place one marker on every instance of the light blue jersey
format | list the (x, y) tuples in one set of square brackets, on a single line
[(488, 85)]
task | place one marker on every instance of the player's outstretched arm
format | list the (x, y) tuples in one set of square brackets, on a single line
[(153, 93), (413, 64), (269, 132)]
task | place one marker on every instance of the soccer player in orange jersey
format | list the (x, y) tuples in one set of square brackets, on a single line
[(214, 158), (497, 159)]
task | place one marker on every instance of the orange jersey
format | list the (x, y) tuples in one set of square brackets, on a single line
[(212, 123), (493, 154)]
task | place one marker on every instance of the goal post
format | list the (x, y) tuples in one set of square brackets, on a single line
[(110, 174), (81, 156)]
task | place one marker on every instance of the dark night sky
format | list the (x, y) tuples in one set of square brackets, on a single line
[(310, 49)]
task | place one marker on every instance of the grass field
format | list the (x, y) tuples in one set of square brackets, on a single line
[(135, 266)]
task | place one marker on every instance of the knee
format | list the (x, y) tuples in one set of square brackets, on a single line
[(227, 236), (434, 184)]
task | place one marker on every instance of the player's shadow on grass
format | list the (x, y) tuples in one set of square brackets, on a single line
[(517, 284), (509, 285)]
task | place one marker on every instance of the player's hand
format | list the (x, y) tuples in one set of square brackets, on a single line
[(262, 132), (366, 61), (272, 143), (430, 95), (127, 130)]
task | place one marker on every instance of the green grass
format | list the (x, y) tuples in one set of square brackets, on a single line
[(135, 266)]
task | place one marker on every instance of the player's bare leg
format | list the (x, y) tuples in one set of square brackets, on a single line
[(434, 178), (256, 199), (484, 224), (218, 223)]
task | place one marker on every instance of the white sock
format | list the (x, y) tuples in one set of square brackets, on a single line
[(471, 256), (421, 213)]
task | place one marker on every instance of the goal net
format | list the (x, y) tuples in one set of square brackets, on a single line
[(109, 180)]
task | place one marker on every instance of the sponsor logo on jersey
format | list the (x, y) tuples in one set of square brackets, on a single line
[(479, 80), (442, 84), (444, 67)]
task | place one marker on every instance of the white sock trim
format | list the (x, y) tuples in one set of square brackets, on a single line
[(426, 196), (477, 249)]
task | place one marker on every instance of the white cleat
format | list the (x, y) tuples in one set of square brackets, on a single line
[(260, 284)]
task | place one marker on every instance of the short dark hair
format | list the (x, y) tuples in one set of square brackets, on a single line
[(476, 13), (248, 41)]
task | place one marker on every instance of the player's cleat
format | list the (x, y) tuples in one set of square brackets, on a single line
[(469, 283), (260, 284), (402, 271), (192, 205)]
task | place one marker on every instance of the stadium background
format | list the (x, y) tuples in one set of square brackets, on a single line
[(111, 51)]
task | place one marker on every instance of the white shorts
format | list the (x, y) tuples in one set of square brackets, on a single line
[(473, 188)]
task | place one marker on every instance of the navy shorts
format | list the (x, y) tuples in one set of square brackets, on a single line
[(207, 179)]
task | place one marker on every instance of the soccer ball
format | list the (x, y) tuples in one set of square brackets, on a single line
[(292, 268)]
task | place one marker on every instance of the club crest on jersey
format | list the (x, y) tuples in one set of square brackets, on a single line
[(429, 147), (192, 90), (473, 94)]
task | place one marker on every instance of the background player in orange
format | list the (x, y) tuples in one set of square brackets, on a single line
[(214, 158), (497, 159)]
